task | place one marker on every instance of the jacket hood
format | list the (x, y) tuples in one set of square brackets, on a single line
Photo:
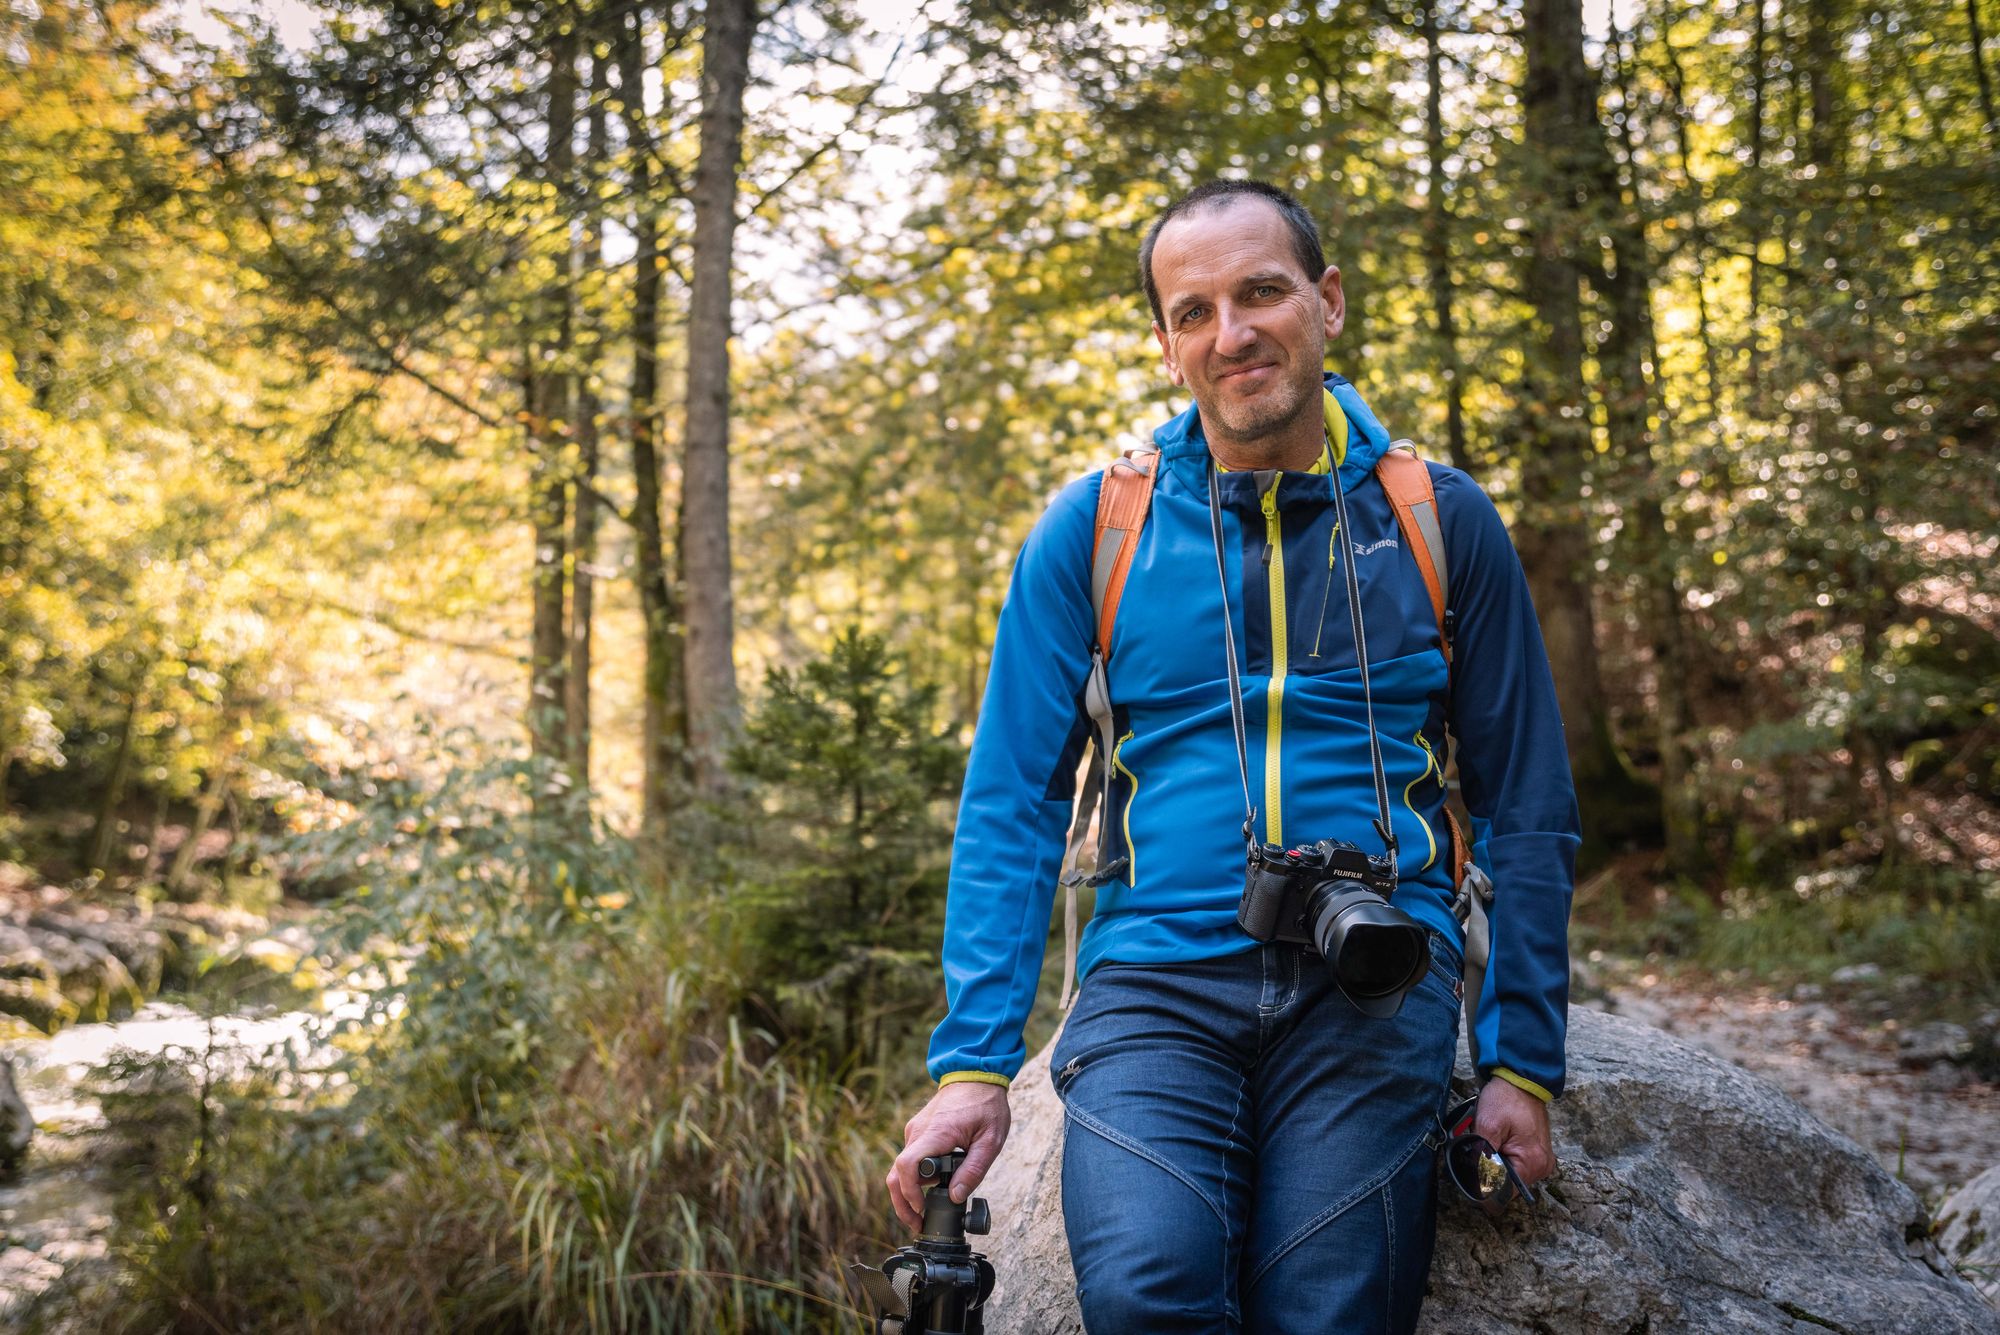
[(1367, 439)]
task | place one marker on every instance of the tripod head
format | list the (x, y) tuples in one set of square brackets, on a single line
[(938, 1281)]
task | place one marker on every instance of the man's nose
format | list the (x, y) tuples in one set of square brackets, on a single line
[(1235, 335)]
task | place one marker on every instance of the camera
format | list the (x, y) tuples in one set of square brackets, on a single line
[(1334, 898)]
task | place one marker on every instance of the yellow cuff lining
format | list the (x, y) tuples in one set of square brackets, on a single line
[(1517, 1081), (978, 1078)]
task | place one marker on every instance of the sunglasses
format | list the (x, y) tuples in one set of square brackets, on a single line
[(1480, 1172)]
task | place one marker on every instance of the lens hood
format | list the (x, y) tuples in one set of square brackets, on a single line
[(1377, 952)]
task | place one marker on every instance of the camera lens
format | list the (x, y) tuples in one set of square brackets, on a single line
[(1376, 951), (1375, 960)]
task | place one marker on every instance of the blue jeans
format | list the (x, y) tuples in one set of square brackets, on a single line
[(1245, 1150)]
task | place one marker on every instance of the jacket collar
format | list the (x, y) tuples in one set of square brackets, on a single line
[(1184, 447)]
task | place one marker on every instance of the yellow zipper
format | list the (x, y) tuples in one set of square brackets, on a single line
[(1131, 852), (1430, 764), (1274, 732)]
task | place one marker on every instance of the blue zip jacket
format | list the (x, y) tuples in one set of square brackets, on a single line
[(1176, 800)]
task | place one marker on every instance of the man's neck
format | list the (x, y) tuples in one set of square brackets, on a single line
[(1295, 449)]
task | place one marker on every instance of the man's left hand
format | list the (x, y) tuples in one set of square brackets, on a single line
[(1516, 1123)]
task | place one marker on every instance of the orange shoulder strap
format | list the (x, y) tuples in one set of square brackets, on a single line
[(1408, 485), (1122, 502)]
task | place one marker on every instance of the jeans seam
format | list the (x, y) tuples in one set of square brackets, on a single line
[(1235, 1117), (1332, 1212), (1389, 1290), (1126, 1143)]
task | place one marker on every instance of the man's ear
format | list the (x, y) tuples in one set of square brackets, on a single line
[(1333, 302), (1167, 356)]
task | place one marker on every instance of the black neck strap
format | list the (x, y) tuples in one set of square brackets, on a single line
[(1383, 826)]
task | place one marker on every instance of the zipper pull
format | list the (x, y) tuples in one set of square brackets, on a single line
[(1332, 545), (1267, 556)]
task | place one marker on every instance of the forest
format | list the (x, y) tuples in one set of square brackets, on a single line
[(504, 509)]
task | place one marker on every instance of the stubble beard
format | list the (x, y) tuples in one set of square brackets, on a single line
[(1264, 424)]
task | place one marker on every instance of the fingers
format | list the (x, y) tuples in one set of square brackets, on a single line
[(1517, 1125), (906, 1190), (974, 1116), (979, 1157)]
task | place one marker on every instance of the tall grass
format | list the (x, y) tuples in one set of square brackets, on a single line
[(566, 1123)]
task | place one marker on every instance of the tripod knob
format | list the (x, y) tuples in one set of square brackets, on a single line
[(977, 1219)]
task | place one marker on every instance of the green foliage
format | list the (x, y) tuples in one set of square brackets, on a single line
[(590, 1138), (485, 897), (839, 860), (1938, 928)]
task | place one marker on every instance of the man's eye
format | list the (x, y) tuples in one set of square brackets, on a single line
[(1265, 290), (1192, 313)]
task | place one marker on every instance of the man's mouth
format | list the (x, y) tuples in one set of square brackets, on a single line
[(1252, 371)]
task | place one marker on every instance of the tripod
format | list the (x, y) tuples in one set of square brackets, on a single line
[(938, 1285)]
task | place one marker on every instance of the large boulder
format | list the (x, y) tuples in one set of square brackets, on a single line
[(1693, 1197), (1969, 1232)]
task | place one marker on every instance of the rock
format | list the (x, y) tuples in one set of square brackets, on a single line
[(1969, 1232), (1693, 1197), (17, 1124), (1857, 973), (1928, 1044), (38, 1001), (140, 948), (89, 973)]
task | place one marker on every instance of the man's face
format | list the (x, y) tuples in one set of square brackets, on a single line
[(1246, 328)]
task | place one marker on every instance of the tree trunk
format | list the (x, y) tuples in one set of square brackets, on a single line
[(1698, 229), (205, 810), (1553, 532), (1641, 456), (1437, 244), (663, 729), (584, 513), (1979, 65), (551, 412), (711, 670), (105, 832), (1754, 368), (1839, 351)]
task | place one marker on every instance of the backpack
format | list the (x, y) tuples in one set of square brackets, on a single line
[(1123, 501)]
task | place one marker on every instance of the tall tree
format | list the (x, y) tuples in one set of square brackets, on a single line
[(1437, 239), (588, 257), (551, 408), (1563, 147), (663, 729), (1639, 451), (704, 529)]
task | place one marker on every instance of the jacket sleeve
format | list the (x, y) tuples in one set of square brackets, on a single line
[(1015, 808), (1514, 773)]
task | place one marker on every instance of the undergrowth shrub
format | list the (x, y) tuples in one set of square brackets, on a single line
[(553, 1117)]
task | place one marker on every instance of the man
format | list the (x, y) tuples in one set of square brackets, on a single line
[(1244, 1147)]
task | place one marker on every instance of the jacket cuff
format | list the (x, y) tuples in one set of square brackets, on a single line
[(1513, 1078), (973, 1077)]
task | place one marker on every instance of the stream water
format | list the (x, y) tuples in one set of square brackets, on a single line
[(56, 1214)]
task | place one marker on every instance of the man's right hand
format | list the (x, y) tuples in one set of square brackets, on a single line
[(968, 1114)]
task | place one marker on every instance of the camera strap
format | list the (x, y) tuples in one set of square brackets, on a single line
[(1383, 826), (1229, 651)]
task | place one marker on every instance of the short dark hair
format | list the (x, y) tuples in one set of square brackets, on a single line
[(1214, 194)]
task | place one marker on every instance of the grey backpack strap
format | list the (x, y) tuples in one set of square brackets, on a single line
[(1096, 786), (1475, 896)]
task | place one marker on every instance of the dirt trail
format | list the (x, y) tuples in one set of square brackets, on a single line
[(1934, 1122)]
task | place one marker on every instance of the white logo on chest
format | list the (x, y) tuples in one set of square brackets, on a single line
[(1373, 547)]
